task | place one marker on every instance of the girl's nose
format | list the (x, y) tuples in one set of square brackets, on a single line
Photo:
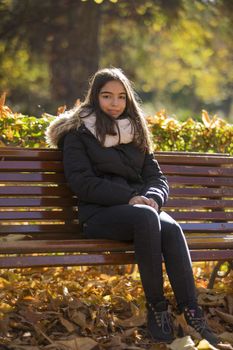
[(114, 101)]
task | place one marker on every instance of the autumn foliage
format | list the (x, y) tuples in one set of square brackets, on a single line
[(96, 308)]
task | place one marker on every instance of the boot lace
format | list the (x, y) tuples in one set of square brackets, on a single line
[(198, 323), (162, 319)]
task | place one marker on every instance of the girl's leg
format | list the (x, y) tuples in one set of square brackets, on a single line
[(178, 262), (139, 223), (179, 269)]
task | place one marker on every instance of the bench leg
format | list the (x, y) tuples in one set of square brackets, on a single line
[(215, 272)]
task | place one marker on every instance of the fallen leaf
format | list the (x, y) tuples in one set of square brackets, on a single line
[(224, 316), (12, 237), (226, 336), (207, 299), (216, 325), (133, 347), (137, 320), (229, 299), (4, 324), (114, 344), (182, 343), (79, 318), (31, 316), (129, 332), (4, 283), (205, 345), (77, 343), (70, 327), (160, 346), (4, 308), (224, 346), (24, 347)]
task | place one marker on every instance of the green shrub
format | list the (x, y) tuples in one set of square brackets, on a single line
[(22, 130), (168, 134), (211, 135)]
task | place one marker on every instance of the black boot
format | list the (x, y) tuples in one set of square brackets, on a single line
[(195, 318), (159, 322)]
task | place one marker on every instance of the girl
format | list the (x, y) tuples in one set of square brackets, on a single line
[(121, 190)]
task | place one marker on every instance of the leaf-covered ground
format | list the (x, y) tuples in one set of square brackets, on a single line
[(99, 308)]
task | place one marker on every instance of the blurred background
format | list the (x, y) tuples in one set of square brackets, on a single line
[(178, 53)]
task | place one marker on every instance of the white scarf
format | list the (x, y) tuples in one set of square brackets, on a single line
[(125, 129)]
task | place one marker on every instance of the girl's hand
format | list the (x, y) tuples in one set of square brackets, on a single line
[(144, 200), (139, 200), (153, 204)]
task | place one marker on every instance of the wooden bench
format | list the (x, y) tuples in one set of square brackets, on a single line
[(38, 212)]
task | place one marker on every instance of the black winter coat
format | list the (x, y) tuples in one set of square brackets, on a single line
[(106, 176)]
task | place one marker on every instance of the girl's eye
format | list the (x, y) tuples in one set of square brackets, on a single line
[(123, 97)]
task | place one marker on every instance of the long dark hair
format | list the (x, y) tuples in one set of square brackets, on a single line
[(105, 125)]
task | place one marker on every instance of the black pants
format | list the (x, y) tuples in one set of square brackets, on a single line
[(153, 235)]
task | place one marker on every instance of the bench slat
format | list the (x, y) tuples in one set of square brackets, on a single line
[(208, 227), (30, 153), (18, 214), (68, 260), (39, 228), (201, 192), (198, 159), (187, 227), (32, 177), (197, 170), (67, 212), (85, 245), (64, 202), (100, 259), (59, 178), (61, 190), (31, 166), (56, 166), (174, 157), (35, 215), (201, 215), (200, 181), (199, 203), (37, 202)]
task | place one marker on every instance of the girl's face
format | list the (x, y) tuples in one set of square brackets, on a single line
[(112, 98)]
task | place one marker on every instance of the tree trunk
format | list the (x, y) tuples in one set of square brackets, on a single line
[(74, 54)]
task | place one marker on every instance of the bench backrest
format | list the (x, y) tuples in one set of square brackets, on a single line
[(35, 199), (34, 195)]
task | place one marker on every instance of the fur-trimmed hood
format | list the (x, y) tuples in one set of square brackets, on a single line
[(61, 125), (73, 119)]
